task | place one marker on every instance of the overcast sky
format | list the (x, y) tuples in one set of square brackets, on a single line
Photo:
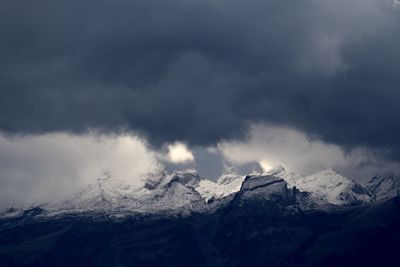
[(209, 84)]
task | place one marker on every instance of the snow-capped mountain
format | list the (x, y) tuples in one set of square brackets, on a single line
[(186, 220), (166, 192), (226, 185), (270, 223), (383, 187), (186, 191), (327, 185), (106, 192)]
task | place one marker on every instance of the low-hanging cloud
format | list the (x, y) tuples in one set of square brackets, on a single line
[(272, 145), (179, 153), (37, 169), (51, 167)]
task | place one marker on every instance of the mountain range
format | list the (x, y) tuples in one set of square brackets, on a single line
[(276, 218), (186, 191)]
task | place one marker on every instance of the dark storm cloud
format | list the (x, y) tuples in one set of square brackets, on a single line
[(202, 71)]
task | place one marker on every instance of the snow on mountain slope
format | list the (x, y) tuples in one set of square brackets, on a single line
[(182, 190), (291, 178), (173, 191), (384, 187), (178, 195), (186, 191), (226, 185), (327, 185), (107, 192), (163, 192), (335, 188), (154, 179), (189, 177)]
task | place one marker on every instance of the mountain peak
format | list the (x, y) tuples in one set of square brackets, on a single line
[(265, 189), (154, 179), (229, 178), (332, 186), (328, 185), (226, 185), (192, 172), (384, 186), (109, 185), (189, 177), (277, 169)]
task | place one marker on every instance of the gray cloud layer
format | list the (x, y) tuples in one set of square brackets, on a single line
[(51, 167), (202, 71), (296, 152)]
